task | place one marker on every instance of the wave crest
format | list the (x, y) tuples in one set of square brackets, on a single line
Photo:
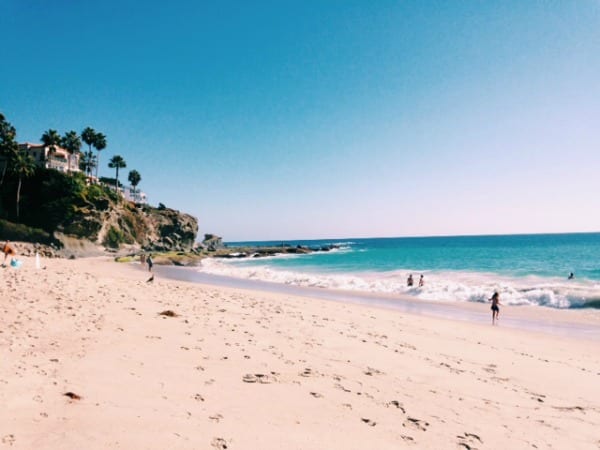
[(439, 286)]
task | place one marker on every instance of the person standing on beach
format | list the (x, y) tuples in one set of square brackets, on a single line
[(495, 307), (150, 263), (8, 251)]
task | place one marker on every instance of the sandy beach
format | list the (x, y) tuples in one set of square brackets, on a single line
[(88, 361)]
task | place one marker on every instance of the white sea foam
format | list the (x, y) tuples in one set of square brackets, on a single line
[(440, 286)]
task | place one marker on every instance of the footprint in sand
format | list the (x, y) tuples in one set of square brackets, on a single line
[(369, 422), (8, 439), (468, 441), (219, 443), (396, 404), (416, 423), (216, 417)]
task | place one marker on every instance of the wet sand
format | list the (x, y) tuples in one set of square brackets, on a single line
[(576, 323), (89, 361)]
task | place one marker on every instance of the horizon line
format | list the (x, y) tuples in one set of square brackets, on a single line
[(420, 236)]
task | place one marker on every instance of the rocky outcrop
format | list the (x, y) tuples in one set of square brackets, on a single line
[(83, 218), (124, 226), (168, 229), (212, 242)]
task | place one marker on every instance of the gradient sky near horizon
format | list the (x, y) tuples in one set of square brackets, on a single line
[(323, 119)]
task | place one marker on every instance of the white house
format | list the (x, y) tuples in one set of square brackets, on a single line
[(133, 195), (57, 159)]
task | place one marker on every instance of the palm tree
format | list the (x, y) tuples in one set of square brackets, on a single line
[(117, 162), (134, 178), (8, 144), (88, 135), (72, 143), (99, 145), (87, 162), (22, 165), (52, 140)]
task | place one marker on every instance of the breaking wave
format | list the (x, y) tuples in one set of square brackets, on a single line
[(439, 286)]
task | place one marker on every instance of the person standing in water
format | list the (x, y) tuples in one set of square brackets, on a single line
[(495, 306), (409, 281), (421, 281)]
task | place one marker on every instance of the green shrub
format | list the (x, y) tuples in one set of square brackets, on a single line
[(114, 238), (20, 232)]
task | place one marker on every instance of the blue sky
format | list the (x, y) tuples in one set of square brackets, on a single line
[(316, 119)]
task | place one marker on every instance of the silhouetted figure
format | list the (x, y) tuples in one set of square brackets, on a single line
[(421, 281), (571, 276), (495, 306), (410, 281)]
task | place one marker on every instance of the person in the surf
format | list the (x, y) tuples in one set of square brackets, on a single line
[(495, 306), (421, 281), (410, 281), (571, 276)]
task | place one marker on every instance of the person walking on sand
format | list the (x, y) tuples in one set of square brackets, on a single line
[(8, 251), (150, 263), (495, 307)]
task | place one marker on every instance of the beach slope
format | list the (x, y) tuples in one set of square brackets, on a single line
[(93, 356)]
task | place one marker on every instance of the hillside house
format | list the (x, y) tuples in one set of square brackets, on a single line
[(59, 159)]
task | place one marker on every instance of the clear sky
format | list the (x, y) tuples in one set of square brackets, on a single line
[(321, 119)]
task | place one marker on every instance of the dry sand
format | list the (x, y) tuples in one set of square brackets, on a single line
[(251, 370)]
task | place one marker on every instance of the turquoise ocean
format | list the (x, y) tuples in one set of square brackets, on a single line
[(524, 269)]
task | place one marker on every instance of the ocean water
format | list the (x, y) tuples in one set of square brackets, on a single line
[(524, 269)]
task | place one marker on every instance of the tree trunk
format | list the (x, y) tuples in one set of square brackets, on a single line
[(4, 172), (117, 180), (89, 168), (18, 196)]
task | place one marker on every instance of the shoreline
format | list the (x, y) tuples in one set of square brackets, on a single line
[(95, 357), (574, 322)]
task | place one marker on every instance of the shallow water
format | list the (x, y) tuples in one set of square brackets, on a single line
[(447, 310)]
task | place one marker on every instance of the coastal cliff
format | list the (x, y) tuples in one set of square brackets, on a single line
[(124, 224), (80, 218)]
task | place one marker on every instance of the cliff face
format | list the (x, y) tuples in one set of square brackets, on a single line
[(85, 218), (168, 229), (116, 224)]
